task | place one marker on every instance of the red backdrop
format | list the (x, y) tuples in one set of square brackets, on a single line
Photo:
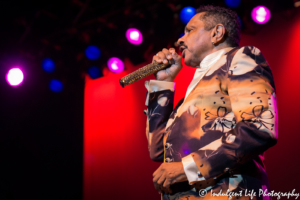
[(116, 161)]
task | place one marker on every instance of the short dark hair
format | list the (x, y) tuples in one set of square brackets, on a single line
[(214, 15)]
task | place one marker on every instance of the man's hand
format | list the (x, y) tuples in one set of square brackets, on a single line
[(168, 174), (169, 73)]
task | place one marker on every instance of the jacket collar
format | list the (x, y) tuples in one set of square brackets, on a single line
[(212, 58), (205, 65)]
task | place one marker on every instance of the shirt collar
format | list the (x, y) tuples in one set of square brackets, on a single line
[(212, 58)]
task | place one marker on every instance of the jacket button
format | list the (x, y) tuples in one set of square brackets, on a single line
[(167, 145), (226, 170), (199, 174), (168, 160), (146, 112)]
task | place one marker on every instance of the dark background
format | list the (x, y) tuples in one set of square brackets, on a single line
[(41, 135)]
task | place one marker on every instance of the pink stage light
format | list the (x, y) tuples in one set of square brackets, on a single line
[(14, 77), (115, 65), (134, 36), (261, 14)]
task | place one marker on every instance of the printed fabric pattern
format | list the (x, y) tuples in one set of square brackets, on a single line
[(226, 124)]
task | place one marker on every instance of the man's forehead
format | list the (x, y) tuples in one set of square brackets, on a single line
[(196, 20)]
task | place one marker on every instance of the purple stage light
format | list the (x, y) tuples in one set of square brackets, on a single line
[(134, 36), (14, 77), (261, 14), (115, 65)]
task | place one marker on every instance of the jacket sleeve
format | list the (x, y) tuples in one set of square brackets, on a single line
[(251, 89), (160, 100)]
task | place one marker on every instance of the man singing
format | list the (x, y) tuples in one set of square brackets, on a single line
[(213, 142)]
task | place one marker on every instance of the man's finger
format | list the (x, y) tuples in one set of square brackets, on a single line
[(157, 187), (167, 53), (159, 170), (167, 183), (166, 190), (156, 171), (158, 183), (161, 179), (157, 59), (169, 190), (157, 175), (161, 183), (161, 55), (172, 50)]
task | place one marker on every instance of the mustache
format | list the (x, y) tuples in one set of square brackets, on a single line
[(181, 44), (182, 47)]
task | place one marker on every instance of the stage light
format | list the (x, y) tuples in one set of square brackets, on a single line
[(187, 152), (261, 14), (134, 36), (233, 3), (115, 65), (92, 52), (14, 77), (187, 13), (95, 72), (48, 65), (56, 85)]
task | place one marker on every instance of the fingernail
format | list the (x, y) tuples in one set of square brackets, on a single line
[(169, 56), (165, 60)]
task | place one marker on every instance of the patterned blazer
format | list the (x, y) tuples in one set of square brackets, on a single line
[(223, 127)]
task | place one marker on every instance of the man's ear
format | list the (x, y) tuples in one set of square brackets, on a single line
[(218, 34)]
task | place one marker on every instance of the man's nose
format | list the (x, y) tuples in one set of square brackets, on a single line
[(180, 41)]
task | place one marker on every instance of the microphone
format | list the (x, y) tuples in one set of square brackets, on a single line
[(143, 72)]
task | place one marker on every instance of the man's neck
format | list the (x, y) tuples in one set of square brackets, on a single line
[(213, 55), (219, 47), (215, 49)]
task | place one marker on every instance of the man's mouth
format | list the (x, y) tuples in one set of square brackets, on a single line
[(183, 53), (182, 48)]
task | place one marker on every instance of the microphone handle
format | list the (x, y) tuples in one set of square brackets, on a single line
[(143, 72)]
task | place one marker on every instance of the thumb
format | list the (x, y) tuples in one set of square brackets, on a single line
[(177, 58)]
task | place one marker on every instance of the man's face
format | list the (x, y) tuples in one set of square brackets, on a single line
[(196, 42)]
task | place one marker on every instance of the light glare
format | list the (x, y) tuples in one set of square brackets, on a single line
[(186, 14), (134, 36), (115, 65), (261, 14), (14, 77)]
